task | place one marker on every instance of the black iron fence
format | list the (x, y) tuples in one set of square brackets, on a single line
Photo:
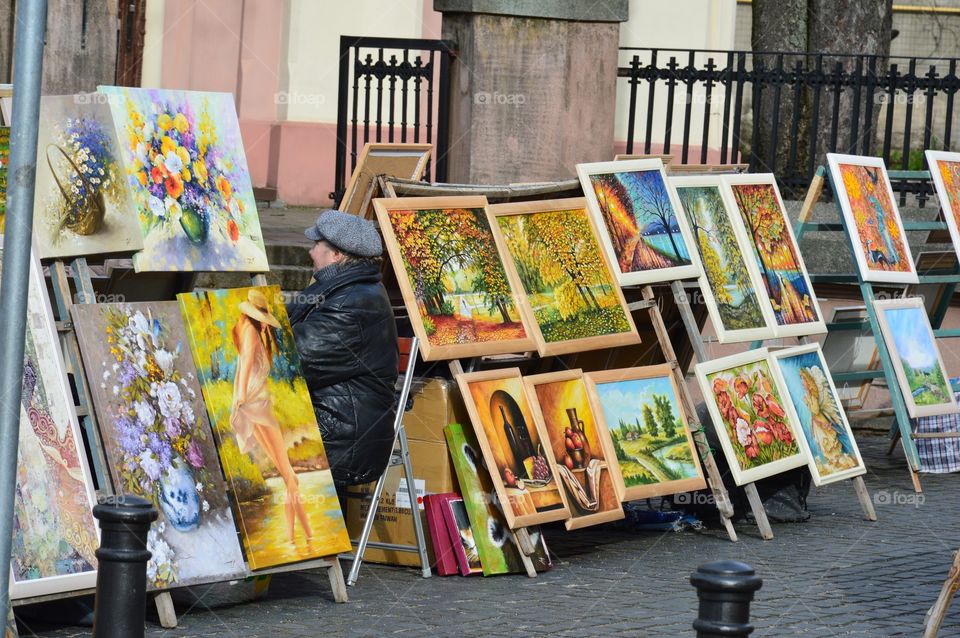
[(781, 112), (392, 90)]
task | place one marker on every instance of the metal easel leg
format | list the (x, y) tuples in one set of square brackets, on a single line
[(414, 505)]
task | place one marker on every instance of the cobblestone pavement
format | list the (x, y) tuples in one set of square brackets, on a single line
[(835, 575)]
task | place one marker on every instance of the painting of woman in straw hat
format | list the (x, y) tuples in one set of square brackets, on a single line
[(251, 414)]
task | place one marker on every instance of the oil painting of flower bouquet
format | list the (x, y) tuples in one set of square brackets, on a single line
[(157, 438), (82, 204), (746, 405), (187, 171)]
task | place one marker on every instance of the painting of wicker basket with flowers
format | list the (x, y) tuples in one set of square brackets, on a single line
[(187, 171), (82, 204), (746, 405)]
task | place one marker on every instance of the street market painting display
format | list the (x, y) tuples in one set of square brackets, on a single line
[(578, 448), (157, 438), (646, 239), (458, 294), (496, 544), (55, 536), (527, 488), (945, 171), (746, 405), (188, 174), (266, 431), (571, 301), (82, 201), (394, 160), (872, 219), (654, 451), (919, 367), (735, 301), (831, 450), (762, 222)]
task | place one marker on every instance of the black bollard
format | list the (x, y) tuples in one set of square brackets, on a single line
[(725, 589), (122, 570)]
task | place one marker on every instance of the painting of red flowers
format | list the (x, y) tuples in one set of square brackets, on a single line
[(746, 405)]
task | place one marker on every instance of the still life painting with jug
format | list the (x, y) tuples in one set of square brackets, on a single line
[(579, 450)]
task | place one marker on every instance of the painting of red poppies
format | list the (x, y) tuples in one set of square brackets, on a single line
[(458, 294), (871, 217), (763, 221), (188, 175), (746, 405), (645, 237)]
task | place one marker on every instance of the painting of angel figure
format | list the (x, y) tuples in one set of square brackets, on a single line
[(832, 450)]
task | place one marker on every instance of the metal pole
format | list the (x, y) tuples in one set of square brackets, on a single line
[(31, 19)]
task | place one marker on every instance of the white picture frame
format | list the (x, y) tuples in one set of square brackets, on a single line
[(744, 475), (889, 333), (724, 333), (951, 211), (819, 478), (867, 273), (597, 209), (749, 252)]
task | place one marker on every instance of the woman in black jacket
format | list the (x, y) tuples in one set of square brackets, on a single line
[(347, 338)]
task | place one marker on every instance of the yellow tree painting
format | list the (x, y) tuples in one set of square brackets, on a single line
[(264, 424)]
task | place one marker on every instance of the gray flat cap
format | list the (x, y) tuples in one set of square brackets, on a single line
[(347, 233)]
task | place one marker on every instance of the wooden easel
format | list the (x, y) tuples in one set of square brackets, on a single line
[(80, 272), (900, 427), (936, 614)]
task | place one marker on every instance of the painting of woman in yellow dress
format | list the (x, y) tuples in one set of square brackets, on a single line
[(264, 425)]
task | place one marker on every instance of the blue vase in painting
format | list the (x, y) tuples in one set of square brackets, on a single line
[(178, 496)]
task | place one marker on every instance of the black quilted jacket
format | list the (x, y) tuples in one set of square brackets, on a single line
[(347, 340)]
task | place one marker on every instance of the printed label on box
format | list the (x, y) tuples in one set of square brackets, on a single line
[(403, 498)]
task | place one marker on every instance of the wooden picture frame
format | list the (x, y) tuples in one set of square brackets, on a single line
[(919, 324), (468, 307), (662, 206), (729, 421), (801, 285), (396, 160), (547, 345), (829, 411), (692, 192), (895, 244), (549, 421), (522, 506), (661, 487)]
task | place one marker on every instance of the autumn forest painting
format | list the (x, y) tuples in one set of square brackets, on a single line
[(878, 231), (723, 265), (639, 216), (564, 274), (457, 279), (776, 254)]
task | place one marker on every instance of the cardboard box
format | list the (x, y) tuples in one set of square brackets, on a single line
[(435, 406)]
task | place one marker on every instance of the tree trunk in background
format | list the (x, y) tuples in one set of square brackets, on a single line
[(850, 26), (80, 48), (814, 26), (778, 25)]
